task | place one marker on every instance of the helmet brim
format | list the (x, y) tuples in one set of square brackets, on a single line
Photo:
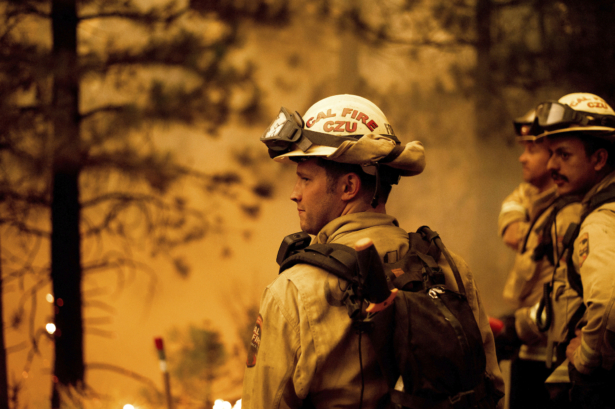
[(525, 138), (314, 151), (599, 131)]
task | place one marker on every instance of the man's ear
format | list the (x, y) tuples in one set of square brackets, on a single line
[(600, 158), (351, 185)]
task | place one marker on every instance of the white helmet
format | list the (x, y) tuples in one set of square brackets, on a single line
[(576, 112), (343, 128)]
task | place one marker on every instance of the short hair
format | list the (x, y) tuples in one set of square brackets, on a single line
[(593, 143), (335, 170)]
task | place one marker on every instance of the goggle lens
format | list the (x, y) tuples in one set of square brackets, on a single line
[(527, 125), (285, 130), (276, 126), (552, 114)]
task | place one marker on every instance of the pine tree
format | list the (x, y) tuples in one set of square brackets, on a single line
[(77, 153)]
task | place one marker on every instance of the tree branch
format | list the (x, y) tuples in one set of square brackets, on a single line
[(105, 108), (27, 9), (126, 372), (150, 17), (31, 199), (24, 228)]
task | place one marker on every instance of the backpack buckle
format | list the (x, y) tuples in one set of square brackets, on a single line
[(457, 398), (434, 291)]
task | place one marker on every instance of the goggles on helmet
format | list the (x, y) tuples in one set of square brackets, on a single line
[(552, 115), (288, 129), (526, 126)]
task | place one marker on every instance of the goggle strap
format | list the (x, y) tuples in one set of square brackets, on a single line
[(324, 139), (304, 144), (377, 192)]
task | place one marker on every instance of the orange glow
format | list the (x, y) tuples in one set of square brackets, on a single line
[(222, 404)]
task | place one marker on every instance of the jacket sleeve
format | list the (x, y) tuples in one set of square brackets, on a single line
[(514, 208), (594, 253), (268, 378)]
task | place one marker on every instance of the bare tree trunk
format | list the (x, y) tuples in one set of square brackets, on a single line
[(65, 208), (484, 106), (348, 75), (4, 383)]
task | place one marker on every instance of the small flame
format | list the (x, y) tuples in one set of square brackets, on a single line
[(50, 327), (222, 404)]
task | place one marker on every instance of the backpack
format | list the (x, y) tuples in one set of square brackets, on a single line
[(428, 340)]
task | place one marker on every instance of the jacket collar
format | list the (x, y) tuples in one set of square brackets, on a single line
[(351, 223), (540, 201), (603, 184)]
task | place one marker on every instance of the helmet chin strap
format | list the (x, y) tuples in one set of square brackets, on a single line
[(383, 175), (377, 189)]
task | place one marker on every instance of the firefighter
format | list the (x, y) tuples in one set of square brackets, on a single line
[(533, 221), (304, 352), (579, 130)]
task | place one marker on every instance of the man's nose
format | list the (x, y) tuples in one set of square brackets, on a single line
[(552, 163), (294, 195)]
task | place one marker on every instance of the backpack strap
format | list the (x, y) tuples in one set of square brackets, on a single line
[(529, 230), (434, 238), (338, 259), (573, 279), (545, 247), (606, 195)]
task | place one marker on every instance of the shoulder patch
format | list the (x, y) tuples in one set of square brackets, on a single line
[(583, 248), (255, 342)]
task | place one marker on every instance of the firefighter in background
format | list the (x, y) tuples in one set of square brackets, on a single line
[(304, 352), (580, 133), (532, 220)]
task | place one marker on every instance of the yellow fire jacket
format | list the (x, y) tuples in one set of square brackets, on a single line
[(515, 208), (565, 300), (306, 348), (525, 204), (594, 260), (524, 285)]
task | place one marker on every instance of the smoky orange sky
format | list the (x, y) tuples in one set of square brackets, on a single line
[(458, 195)]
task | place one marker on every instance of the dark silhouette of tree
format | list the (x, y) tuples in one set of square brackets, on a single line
[(533, 48), (4, 383), (530, 48), (78, 148)]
